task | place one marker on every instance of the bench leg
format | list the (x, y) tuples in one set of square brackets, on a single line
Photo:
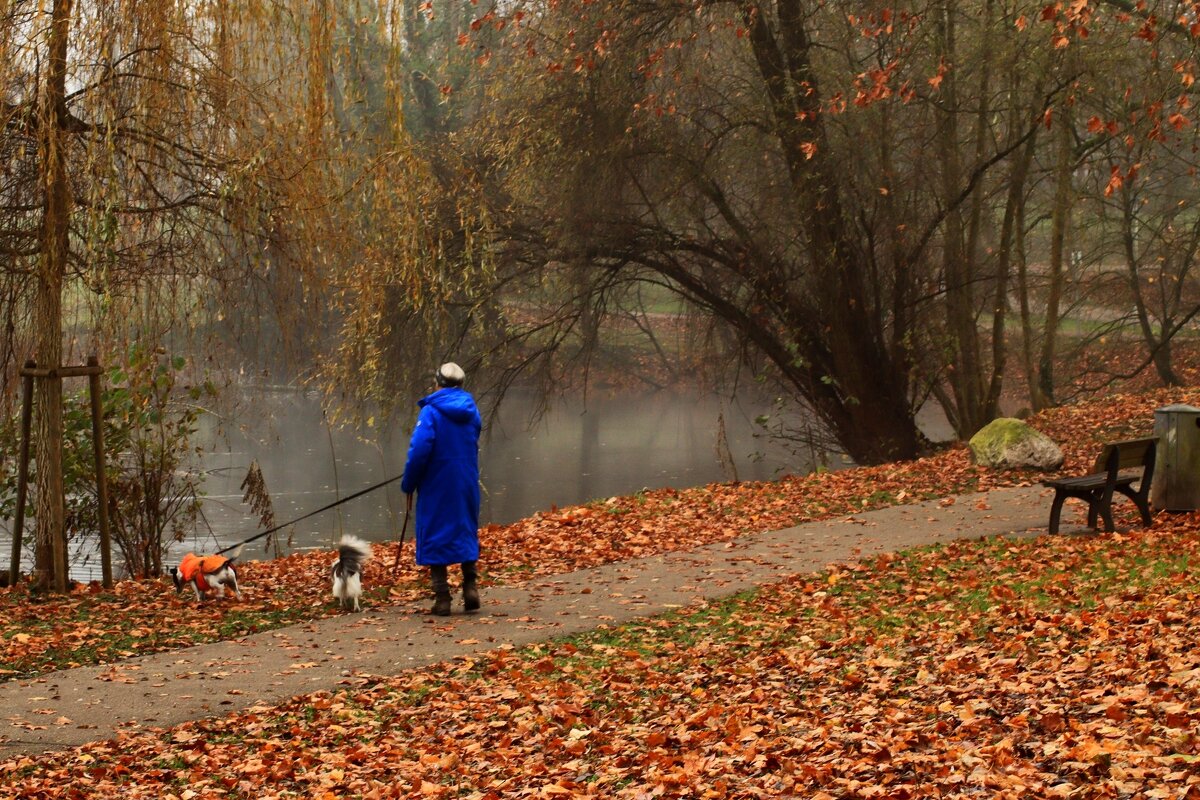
[(1144, 509), (1106, 514), (1055, 511), (1093, 512), (1143, 505)]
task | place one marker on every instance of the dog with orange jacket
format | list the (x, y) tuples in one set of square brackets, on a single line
[(207, 574)]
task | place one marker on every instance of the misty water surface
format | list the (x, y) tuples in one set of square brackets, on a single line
[(574, 454), (613, 446)]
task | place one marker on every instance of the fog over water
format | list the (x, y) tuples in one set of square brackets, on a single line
[(574, 454), (613, 445)]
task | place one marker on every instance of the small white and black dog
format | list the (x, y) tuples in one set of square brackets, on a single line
[(207, 574), (347, 570)]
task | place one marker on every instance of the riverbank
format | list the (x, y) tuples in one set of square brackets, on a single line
[(91, 626)]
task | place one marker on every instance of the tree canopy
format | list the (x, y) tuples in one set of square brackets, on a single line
[(865, 205), (857, 193)]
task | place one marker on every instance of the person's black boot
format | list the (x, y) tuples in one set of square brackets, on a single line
[(441, 605), (470, 586), (470, 595)]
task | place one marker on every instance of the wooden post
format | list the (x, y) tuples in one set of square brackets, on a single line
[(22, 472), (101, 477), (59, 580)]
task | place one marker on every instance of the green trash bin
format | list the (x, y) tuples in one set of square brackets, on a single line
[(1176, 484)]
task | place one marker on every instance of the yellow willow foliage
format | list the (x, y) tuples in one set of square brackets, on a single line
[(421, 253), (165, 160), (226, 147)]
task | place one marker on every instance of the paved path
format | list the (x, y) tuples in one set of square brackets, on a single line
[(71, 707)]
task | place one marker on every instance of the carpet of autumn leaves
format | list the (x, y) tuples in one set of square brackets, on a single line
[(1002, 668)]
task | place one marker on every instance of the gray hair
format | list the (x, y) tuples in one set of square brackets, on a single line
[(450, 374)]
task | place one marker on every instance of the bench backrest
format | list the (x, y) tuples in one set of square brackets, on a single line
[(1129, 454)]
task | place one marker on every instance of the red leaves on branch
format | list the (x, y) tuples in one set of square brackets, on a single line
[(1118, 179), (936, 80), (1115, 181)]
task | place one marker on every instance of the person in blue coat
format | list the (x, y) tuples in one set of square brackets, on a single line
[(443, 469)]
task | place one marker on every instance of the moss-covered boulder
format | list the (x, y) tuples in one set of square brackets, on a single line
[(1007, 443)]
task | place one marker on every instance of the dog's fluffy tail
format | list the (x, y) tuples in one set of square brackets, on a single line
[(352, 553), (235, 552)]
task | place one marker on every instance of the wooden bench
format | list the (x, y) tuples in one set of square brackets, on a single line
[(1098, 487)]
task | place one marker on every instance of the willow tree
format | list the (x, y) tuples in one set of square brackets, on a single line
[(149, 145), (402, 291)]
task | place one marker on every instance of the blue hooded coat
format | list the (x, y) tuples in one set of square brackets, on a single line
[(443, 469)]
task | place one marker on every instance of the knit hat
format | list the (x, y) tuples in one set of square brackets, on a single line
[(450, 374)]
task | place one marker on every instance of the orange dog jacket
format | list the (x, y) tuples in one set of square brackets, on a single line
[(193, 566)]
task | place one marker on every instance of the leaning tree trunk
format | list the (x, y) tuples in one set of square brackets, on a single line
[(861, 389), (51, 556), (1158, 344)]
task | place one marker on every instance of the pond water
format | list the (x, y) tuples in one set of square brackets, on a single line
[(573, 454)]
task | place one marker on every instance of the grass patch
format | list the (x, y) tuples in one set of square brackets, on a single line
[(238, 623)]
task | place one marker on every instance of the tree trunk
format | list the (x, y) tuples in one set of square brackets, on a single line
[(1042, 390), (1162, 363), (1010, 229), (1159, 344), (849, 374), (51, 555), (958, 261)]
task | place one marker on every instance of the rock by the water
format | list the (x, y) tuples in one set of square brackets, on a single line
[(1007, 443)]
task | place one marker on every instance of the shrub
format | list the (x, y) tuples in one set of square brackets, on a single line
[(150, 419)]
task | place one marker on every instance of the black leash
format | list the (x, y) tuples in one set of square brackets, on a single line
[(334, 504)]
